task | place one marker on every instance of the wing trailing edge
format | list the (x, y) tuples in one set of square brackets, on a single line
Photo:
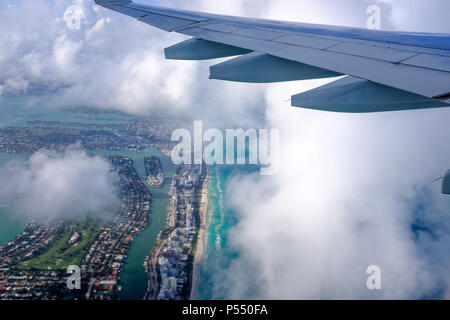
[(446, 183), (199, 49)]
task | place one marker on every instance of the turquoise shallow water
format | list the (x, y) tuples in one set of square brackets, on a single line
[(219, 251), (10, 224)]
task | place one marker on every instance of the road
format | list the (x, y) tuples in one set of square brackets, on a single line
[(152, 271)]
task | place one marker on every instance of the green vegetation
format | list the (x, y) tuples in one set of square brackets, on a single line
[(63, 253)]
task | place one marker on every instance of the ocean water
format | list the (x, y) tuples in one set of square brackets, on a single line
[(11, 224), (219, 251)]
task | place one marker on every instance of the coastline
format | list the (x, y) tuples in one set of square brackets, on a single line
[(201, 239)]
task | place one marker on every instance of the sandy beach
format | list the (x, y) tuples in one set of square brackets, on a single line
[(201, 241)]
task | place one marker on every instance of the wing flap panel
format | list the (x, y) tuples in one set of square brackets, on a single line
[(430, 61), (446, 183), (199, 49), (257, 33), (373, 52), (129, 11), (165, 22), (166, 12), (221, 27), (307, 41)]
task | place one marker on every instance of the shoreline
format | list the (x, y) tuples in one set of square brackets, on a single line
[(201, 239)]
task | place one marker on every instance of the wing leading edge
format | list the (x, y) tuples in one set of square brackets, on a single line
[(384, 71)]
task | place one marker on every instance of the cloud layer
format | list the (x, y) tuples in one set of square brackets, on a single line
[(353, 191), (112, 61), (67, 184)]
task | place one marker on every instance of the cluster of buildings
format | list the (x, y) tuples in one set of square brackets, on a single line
[(153, 169), (128, 135), (172, 262), (20, 284), (172, 258), (33, 284), (31, 139), (103, 262), (33, 241)]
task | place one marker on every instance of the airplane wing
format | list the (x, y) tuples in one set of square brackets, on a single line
[(446, 183), (380, 70)]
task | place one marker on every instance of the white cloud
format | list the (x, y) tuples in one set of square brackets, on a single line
[(346, 197), (419, 16), (66, 184), (112, 61)]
